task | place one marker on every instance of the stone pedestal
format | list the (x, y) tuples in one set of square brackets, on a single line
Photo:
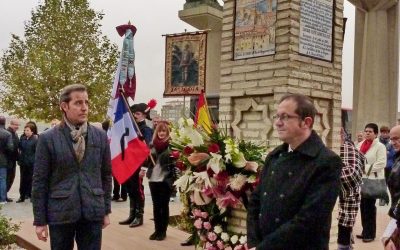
[(376, 56)]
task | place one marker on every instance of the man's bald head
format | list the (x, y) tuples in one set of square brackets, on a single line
[(395, 137)]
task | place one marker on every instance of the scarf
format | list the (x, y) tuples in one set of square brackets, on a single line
[(78, 137), (365, 146), (160, 145)]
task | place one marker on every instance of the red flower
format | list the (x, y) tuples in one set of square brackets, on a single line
[(213, 148), (175, 154), (188, 150), (180, 165), (222, 178)]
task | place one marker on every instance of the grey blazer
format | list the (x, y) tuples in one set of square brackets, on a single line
[(64, 190)]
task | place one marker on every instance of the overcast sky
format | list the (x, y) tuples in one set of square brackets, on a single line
[(152, 19)]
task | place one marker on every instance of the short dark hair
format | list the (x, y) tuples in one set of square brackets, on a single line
[(372, 126), (65, 93), (2, 120), (305, 106), (32, 126)]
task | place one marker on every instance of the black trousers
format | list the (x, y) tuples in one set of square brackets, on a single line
[(368, 217), (119, 191), (11, 175), (25, 187), (344, 235), (86, 233), (135, 189), (160, 194)]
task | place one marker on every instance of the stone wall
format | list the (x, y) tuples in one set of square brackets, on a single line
[(251, 88)]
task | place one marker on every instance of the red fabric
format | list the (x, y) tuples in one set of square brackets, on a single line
[(365, 146), (135, 154)]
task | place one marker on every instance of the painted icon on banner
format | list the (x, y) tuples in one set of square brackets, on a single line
[(185, 64), (254, 28)]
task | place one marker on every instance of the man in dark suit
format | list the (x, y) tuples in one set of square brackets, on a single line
[(6, 146), (71, 191), (291, 208), (12, 159)]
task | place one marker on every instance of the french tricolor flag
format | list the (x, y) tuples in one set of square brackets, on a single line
[(128, 152)]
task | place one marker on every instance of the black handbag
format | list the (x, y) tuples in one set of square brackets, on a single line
[(374, 188)]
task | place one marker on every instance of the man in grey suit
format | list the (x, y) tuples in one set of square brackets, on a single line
[(71, 190)]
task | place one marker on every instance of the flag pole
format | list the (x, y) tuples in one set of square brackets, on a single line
[(208, 108), (122, 92)]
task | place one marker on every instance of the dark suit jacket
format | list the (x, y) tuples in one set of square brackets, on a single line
[(64, 190), (292, 206)]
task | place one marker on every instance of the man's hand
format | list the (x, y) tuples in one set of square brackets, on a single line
[(390, 246), (142, 173), (42, 233), (106, 221)]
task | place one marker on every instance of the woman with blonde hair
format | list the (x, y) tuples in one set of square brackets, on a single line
[(161, 177)]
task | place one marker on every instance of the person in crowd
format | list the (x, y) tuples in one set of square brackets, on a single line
[(349, 196), (375, 154), (6, 148), (71, 192), (134, 185), (26, 160), (394, 189), (54, 123), (161, 179), (384, 139), (13, 157), (360, 137), (291, 208)]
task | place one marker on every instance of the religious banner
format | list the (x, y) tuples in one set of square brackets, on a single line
[(185, 64), (316, 29), (254, 28)]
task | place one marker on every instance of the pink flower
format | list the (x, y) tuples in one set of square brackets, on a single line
[(198, 158), (202, 237), (213, 148), (204, 215), (198, 223), (196, 212), (228, 248), (251, 166), (208, 245), (229, 200), (220, 244), (239, 247), (212, 236), (175, 154), (207, 225)]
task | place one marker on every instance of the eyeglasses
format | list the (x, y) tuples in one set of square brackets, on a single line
[(394, 139), (284, 117)]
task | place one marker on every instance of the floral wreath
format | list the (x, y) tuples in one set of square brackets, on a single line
[(218, 173)]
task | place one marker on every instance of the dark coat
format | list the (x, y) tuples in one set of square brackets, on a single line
[(394, 187), (167, 165), (13, 157), (64, 190), (6, 147), (291, 208), (27, 148)]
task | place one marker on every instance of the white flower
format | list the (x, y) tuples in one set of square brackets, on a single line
[(199, 198), (183, 182), (215, 163), (218, 229), (234, 239), (202, 178), (189, 122), (181, 122), (239, 161), (243, 239), (237, 181), (225, 237)]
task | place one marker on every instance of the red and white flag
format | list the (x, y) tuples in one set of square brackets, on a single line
[(128, 152)]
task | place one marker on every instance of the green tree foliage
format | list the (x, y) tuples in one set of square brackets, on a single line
[(63, 44)]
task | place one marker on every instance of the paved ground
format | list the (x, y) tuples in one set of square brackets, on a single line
[(122, 237)]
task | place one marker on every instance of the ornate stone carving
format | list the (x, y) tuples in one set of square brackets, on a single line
[(251, 118)]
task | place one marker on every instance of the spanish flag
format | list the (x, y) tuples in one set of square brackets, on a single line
[(202, 114)]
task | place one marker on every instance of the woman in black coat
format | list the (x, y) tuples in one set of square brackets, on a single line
[(161, 178), (27, 149)]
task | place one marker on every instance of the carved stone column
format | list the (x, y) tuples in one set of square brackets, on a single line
[(375, 63)]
